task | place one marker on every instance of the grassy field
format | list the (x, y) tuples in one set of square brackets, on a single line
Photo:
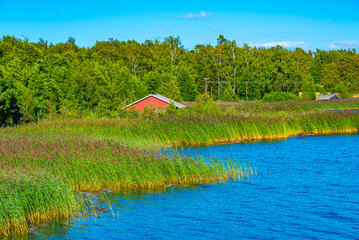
[(46, 165)]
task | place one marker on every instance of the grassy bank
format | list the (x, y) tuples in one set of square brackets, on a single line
[(187, 129), (40, 178), (44, 166)]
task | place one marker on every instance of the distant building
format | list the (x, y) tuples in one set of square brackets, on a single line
[(155, 101), (328, 97)]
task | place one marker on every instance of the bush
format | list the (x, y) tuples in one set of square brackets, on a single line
[(148, 111), (343, 90), (205, 105), (171, 109), (230, 111), (279, 96), (257, 107), (132, 112), (308, 90)]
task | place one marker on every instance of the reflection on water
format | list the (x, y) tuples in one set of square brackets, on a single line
[(304, 188)]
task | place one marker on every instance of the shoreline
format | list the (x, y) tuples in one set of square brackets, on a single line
[(259, 139), (91, 155)]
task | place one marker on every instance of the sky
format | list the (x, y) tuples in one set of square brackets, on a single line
[(306, 24)]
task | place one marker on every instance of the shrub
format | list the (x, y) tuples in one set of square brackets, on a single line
[(230, 111), (148, 111), (205, 105), (343, 90), (229, 95), (257, 107), (308, 89), (171, 109), (132, 112)]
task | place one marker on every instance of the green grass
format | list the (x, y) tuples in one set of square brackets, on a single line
[(45, 166), (188, 129), (28, 197), (41, 178)]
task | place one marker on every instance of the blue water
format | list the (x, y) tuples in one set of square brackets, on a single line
[(304, 189)]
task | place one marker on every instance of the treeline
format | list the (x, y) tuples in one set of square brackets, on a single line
[(40, 80)]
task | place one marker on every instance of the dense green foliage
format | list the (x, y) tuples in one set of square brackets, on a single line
[(39, 80), (279, 96)]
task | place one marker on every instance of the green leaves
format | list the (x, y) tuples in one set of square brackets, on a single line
[(308, 90), (170, 90), (9, 108), (229, 94), (186, 85), (96, 81)]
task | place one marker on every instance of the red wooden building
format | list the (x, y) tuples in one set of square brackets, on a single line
[(155, 101)]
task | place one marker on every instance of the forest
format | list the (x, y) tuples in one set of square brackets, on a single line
[(40, 79)]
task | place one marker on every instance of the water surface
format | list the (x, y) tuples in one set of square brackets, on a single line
[(304, 189)]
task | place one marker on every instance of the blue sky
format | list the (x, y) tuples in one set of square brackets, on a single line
[(306, 24)]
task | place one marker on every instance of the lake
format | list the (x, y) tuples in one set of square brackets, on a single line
[(305, 188)]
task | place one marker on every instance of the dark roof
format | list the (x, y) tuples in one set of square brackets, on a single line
[(160, 97), (327, 97)]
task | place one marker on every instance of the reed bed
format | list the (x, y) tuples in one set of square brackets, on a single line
[(41, 178), (164, 131), (44, 166), (96, 165), (28, 197)]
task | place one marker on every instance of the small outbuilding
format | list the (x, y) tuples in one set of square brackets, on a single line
[(328, 97), (155, 101)]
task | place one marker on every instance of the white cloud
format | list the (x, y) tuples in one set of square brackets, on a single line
[(344, 44), (163, 30), (284, 44), (201, 15)]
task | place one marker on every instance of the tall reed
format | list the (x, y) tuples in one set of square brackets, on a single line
[(95, 165), (31, 193), (44, 165), (189, 129), (28, 197)]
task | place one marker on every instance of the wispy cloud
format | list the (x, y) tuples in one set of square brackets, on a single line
[(201, 15), (344, 44), (284, 44), (163, 30)]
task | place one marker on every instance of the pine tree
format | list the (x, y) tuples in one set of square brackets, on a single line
[(186, 85), (170, 90), (229, 95), (153, 81)]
